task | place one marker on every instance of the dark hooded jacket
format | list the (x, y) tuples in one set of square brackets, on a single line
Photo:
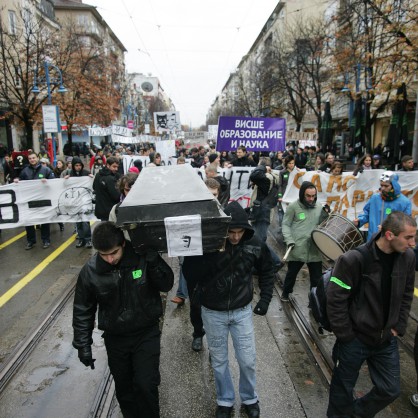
[(82, 172), (225, 277), (127, 302), (107, 194), (298, 223)]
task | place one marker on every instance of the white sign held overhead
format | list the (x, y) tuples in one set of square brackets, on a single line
[(184, 235), (51, 118), (167, 121)]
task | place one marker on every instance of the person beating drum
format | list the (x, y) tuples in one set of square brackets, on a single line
[(300, 219)]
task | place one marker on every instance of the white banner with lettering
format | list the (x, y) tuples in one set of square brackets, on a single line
[(72, 200), (347, 194), (34, 202)]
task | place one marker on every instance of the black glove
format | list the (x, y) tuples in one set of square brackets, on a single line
[(152, 257), (261, 308), (86, 357)]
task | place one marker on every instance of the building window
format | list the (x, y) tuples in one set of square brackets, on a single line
[(18, 76), (82, 20), (12, 22)]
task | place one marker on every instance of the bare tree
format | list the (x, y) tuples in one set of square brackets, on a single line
[(302, 70), (375, 52), (21, 52)]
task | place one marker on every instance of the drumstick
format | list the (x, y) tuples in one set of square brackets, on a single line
[(287, 254)]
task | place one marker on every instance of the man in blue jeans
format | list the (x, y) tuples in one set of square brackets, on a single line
[(226, 290), (367, 313)]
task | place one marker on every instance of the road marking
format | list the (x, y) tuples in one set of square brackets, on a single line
[(37, 270), (12, 240)]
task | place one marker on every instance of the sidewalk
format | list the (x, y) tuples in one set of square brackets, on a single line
[(187, 386)]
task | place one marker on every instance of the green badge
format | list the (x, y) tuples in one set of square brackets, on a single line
[(40, 175), (302, 216), (285, 176), (388, 211), (137, 274)]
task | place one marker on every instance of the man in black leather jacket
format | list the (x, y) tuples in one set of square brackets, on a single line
[(126, 287), (225, 284)]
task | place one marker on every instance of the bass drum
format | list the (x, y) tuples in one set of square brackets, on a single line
[(336, 235)]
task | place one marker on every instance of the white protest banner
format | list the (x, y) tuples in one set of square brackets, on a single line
[(34, 202), (100, 131), (123, 139), (347, 194), (121, 130)]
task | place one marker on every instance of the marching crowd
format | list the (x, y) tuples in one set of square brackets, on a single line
[(366, 315)]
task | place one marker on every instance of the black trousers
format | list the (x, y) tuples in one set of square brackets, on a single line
[(31, 233), (293, 268), (195, 308), (134, 363)]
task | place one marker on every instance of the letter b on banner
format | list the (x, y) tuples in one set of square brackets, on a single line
[(9, 211)]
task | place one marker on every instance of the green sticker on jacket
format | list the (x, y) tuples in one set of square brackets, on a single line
[(339, 283), (137, 274), (302, 216), (388, 211)]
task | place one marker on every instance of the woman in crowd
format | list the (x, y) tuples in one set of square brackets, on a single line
[(364, 163), (59, 168), (319, 161), (336, 169)]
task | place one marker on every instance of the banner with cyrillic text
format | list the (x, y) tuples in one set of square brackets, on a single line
[(347, 194), (255, 134), (34, 202)]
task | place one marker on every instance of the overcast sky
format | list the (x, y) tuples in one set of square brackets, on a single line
[(190, 45)]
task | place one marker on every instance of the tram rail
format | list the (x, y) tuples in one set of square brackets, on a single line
[(20, 354), (103, 403)]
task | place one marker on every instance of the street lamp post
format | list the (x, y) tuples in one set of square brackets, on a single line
[(48, 81)]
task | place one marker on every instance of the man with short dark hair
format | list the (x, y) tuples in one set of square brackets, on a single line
[(329, 160), (104, 185), (366, 316), (224, 281), (242, 159), (407, 163), (36, 171), (125, 287)]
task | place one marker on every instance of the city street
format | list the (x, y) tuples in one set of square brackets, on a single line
[(289, 382)]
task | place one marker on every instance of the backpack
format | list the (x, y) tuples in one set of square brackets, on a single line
[(318, 294), (271, 199)]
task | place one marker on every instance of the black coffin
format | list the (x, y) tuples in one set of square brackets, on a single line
[(161, 192)]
